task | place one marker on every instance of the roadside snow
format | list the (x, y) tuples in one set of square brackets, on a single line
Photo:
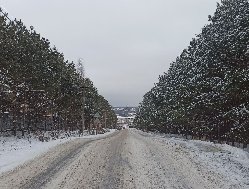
[(230, 162), (14, 151)]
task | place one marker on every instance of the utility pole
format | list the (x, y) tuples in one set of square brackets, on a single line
[(83, 107), (105, 119), (81, 72)]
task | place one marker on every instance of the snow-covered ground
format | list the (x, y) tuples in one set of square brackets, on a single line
[(230, 162), (16, 151), (134, 159)]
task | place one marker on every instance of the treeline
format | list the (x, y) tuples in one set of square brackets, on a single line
[(205, 93), (39, 89)]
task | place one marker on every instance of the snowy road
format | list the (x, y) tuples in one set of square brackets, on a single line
[(125, 159)]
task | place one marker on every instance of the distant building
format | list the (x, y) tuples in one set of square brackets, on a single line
[(125, 120), (125, 115)]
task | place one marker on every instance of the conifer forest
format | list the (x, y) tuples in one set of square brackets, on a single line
[(39, 89), (205, 92), (188, 130)]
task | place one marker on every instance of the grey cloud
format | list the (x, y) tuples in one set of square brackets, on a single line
[(126, 44)]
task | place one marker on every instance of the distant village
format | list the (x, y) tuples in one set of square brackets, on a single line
[(126, 116)]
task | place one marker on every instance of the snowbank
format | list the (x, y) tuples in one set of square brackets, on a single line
[(230, 162), (14, 151)]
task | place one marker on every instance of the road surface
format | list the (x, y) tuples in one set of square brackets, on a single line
[(126, 159)]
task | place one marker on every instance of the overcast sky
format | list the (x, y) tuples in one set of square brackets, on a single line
[(125, 44)]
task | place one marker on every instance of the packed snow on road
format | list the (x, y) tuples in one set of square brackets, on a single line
[(230, 163), (123, 159), (15, 151)]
